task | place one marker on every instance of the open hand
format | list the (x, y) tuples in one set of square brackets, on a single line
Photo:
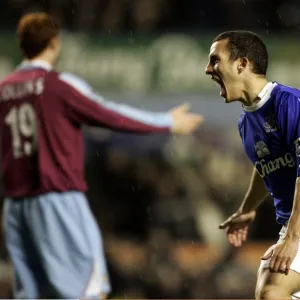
[(184, 121), (237, 227)]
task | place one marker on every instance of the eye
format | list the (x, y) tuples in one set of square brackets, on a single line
[(214, 61)]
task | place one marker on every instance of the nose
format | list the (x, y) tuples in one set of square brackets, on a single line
[(208, 69)]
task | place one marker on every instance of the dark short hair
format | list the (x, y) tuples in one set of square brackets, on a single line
[(35, 31), (242, 43)]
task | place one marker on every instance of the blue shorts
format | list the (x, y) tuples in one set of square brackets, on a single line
[(55, 246)]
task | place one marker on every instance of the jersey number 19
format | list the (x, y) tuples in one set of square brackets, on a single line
[(23, 127)]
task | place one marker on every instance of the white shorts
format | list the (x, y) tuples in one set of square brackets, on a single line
[(295, 266)]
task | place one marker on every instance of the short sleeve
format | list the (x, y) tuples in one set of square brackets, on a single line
[(289, 123)]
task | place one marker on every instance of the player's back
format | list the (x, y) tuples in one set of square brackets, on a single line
[(42, 151)]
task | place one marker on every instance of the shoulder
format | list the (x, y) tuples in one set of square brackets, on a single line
[(241, 120), (72, 81), (286, 96), (287, 104), (241, 124)]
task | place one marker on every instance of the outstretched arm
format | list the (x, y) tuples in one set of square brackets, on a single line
[(83, 106)]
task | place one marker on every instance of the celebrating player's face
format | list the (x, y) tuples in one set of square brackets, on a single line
[(224, 71)]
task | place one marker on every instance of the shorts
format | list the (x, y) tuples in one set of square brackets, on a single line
[(295, 266), (55, 247)]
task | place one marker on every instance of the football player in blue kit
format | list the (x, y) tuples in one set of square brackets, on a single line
[(270, 131)]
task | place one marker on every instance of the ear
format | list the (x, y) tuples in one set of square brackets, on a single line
[(242, 64)]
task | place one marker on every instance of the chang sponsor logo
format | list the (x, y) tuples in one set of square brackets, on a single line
[(268, 167)]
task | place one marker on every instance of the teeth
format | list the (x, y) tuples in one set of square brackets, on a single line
[(216, 79)]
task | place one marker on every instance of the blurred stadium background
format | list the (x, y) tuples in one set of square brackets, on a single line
[(159, 200)]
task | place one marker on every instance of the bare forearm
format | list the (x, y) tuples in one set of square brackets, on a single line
[(293, 231), (256, 193)]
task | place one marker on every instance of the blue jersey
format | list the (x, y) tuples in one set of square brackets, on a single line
[(270, 131)]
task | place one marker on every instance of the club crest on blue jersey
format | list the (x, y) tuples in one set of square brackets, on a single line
[(270, 123), (261, 149), (297, 146)]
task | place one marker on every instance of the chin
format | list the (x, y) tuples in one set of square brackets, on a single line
[(228, 100)]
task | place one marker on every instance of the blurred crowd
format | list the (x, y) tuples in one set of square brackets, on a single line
[(159, 200), (114, 16)]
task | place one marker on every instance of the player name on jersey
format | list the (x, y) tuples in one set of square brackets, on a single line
[(22, 89)]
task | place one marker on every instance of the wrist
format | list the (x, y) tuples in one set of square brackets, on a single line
[(291, 235), (292, 238), (245, 209)]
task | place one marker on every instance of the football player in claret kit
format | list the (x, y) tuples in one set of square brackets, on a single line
[(51, 235), (270, 131)]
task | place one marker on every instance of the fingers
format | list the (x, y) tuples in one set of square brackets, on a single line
[(279, 264), (194, 119), (267, 255), (275, 263), (282, 266), (184, 107), (192, 122), (231, 238), (236, 238), (244, 233), (280, 258), (185, 122), (199, 119), (236, 233), (288, 266), (237, 226)]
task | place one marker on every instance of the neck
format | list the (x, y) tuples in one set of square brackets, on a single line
[(252, 88), (44, 57)]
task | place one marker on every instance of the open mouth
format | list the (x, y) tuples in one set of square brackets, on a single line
[(221, 85)]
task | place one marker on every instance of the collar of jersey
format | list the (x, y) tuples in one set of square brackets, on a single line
[(41, 64), (264, 96)]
